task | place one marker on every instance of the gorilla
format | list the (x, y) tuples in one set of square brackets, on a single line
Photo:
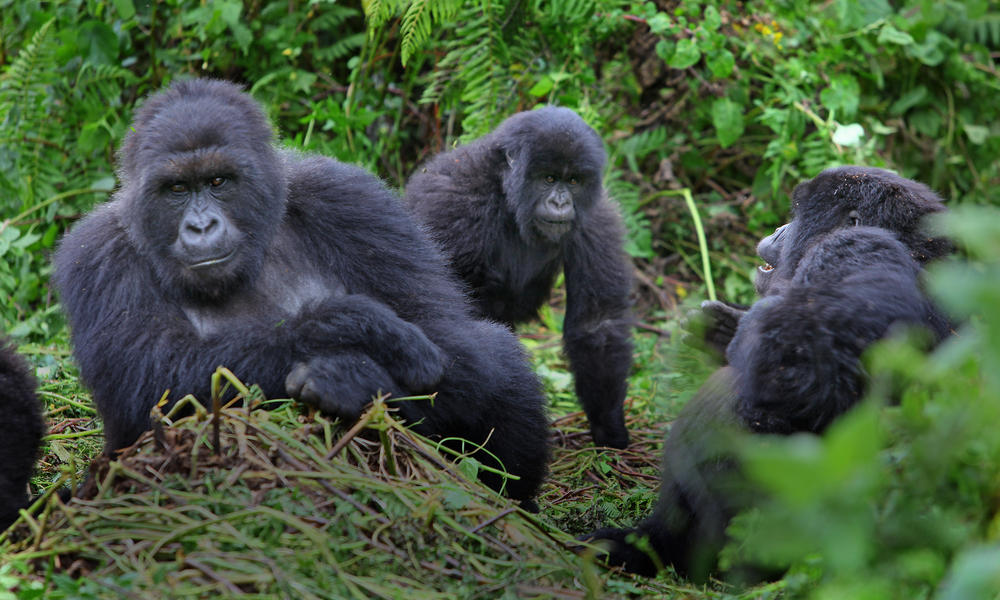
[(873, 191), (302, 274), (513, 208), (841, 275), (23, 426)]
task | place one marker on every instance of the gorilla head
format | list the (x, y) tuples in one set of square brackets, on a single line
[(846, 197), (556, 161), (202, 186)]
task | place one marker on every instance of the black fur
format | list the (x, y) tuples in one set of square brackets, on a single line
[(299, 273), (21, 429), (836, 286), (513, 208)]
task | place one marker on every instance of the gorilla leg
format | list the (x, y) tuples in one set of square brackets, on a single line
[(702, 490)]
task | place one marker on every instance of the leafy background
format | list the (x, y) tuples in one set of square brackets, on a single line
[(726, 104)]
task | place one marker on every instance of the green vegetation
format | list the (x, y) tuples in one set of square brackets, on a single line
[(725, 103)]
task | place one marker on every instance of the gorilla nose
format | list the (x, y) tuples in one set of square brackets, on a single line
[(202, 234)]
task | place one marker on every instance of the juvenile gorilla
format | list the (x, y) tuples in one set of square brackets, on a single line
[(513, 208), (22, 427), (299, 273), (832, 286), (853, 196)]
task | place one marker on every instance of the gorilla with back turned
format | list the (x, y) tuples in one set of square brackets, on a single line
[(841, 275), (513, 208), (21, 430), (299, 273)]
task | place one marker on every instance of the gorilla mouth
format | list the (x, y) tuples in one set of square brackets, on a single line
[(765, 268), (211, 262)]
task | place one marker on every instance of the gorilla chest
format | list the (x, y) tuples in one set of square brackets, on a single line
[(517, 282), (279, 294)]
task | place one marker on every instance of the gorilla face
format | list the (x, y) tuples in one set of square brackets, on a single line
[(555, 162), (557, 196), (202, 189), (769, 249)]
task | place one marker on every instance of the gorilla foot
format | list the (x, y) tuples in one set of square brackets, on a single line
[(620, 552), (607, 427)]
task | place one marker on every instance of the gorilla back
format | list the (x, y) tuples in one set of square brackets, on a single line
[(22, 427), (513, 208), (297, 272)]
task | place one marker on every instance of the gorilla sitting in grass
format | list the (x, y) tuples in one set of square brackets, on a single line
[(841, 275), (299, 273)]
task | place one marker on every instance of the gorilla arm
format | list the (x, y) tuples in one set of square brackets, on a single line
[(597, 327)]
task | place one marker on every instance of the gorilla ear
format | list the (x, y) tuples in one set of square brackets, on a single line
[(854, 218), (510, 158)]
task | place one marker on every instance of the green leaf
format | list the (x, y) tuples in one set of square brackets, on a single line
[(711, 20), (890, 35), (721, 63), (977, 134), (843, 95), (685, 54), (543, 87), (93, 136), (932, 51), (469, 467), (849, 135), (727, 117), (125, 8), (914, 97), (98, 43)]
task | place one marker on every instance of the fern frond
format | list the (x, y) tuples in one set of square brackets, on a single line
[(417, 23), (20, 83), (378, 12)]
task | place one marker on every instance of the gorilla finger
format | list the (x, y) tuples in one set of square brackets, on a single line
[(296, 379)]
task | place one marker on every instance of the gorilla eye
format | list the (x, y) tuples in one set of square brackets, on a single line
[(217, 181), (574, 180), (550, 179), (178, 188)]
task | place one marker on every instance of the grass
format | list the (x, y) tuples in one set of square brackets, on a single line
[(285, 503)]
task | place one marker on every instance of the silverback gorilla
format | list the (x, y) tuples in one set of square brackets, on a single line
[(838, 277), (302, 274), (513, 208), (22, 427)]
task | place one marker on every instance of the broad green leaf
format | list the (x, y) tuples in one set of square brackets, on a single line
[(977, 134), (543, 87), (125, 8), (914, 97), (685, 54), (711, 20), (727, 116), (890, 35), (721, 63), (843, 95), (849, 135)]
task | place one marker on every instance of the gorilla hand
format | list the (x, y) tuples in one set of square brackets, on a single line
[(341, 385), (360, 324), (713, 325)]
